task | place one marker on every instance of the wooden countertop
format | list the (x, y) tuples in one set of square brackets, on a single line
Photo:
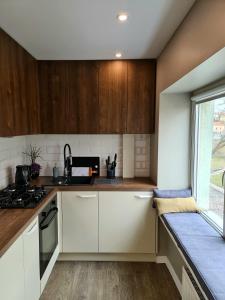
[(132, 184), (14, 221)]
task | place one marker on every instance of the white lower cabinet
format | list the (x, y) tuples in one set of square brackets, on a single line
[(31, 261), (127, 222), (19, 267), (108, 222), (80, 222), (12, 272)]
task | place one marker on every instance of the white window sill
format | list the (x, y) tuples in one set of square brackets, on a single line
[(215, 221)]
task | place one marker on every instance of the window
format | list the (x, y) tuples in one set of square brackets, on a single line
[(210, 158)]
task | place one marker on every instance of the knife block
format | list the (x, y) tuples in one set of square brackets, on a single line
[(111, 173)]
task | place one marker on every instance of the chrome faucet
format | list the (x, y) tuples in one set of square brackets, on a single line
[(67, 160)]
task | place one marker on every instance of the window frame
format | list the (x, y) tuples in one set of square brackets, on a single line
[(194, 163)]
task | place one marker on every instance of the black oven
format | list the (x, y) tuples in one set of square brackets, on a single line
[(48, 233)]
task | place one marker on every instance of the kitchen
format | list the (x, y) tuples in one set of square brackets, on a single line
[(90, 120)]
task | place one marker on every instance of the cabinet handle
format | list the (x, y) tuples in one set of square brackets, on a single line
[(33, 228), (143, 196), (86, 196)]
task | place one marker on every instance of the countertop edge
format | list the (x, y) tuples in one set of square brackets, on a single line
[(128, 184)]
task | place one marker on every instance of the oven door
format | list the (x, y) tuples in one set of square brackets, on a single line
[(48, 235)]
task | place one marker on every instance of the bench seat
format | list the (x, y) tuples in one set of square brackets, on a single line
[(203, 248)]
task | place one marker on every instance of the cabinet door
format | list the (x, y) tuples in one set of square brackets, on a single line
[(33, 103), (80, 222), (112, 96), (83, 97), (19, 114), (141, 96), (18, 61), (6, 98), (31, 261), (127, 222), (54, 103), (12, 272)]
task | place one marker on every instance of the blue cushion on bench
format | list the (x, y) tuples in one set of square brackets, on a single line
[(204, 249), (185, 193), (191, 224)]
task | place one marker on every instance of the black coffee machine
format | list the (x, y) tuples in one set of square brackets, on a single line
[(23, 173)]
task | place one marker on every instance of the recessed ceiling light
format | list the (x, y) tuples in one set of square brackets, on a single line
[(118, 55), (122, 17)]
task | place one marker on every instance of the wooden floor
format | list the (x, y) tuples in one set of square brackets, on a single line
[(110, 281)]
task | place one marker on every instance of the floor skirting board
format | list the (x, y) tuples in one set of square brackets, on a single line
[(129, 257), (165, 260)]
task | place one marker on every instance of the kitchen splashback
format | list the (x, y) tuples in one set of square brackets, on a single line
[(10, 155), (91, 145), (142, 155), (11, 152)]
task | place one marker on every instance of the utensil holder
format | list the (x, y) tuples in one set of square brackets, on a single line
[(111, 173)]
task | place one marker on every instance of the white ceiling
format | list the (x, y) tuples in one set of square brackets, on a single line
[(88, 29)]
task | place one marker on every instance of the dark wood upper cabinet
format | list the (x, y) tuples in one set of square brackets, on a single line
[(53, 89), (141, 96), (6, 99), (83, 97), (73, 96), (69, 96), (97, 96), (33, 103), (19, 91), (19, 100), (112, 96)]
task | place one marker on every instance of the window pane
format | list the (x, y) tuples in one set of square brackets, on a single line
[(211, 158)]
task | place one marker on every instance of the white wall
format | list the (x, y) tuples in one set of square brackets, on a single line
[(10, 155), (174, 141)]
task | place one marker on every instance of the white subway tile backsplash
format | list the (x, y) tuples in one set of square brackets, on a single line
[(57, 149), (11, 152), (137, 165), (142, 155), (140, 143), (81, 145), (140, 158), (138, 150)]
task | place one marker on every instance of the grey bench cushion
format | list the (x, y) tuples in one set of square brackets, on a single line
[(204, 249)]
